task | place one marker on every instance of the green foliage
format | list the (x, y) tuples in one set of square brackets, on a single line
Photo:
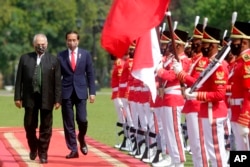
[(218, 12), (20, 20)]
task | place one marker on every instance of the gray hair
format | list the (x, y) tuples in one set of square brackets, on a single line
[(39, 35)]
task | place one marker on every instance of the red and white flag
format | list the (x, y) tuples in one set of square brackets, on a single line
[(146, 58), (128, 20)]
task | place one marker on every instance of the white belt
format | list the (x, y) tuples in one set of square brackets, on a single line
[(137, 88), (236, 101), (172, 87), (229, 93), (123, 85), (221, 101), (115, 89), (131, 88), (174, 92), (144, 89)]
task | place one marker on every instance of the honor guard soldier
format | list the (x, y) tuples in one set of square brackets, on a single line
[(173, 103), (240, 84), (213, 110), (146, 119), (133, 104), (157, 106), (192, 106), (115, 77), (230, 58), (123, 91)]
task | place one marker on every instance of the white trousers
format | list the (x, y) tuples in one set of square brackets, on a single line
[(214, 141), (146, 118), (196, 140), (162, 141), (118, 110), (171, 121), (127, 111), (240, 141), (134, 113)]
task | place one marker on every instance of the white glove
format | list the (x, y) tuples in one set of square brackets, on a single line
[(177, 66), (159, 66), (190, 96), (120, 103), (243, 130), (145, 85), (152, 109)]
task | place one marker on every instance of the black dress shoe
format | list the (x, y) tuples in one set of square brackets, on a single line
[(72, 154), (84, 149), (83, 146), (33, 155), (43, 161)]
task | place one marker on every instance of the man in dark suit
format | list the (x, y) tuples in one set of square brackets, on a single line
[(78, 81), (38, 87)]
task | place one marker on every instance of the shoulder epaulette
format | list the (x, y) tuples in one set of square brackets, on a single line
[(246, 57), (118, 62)]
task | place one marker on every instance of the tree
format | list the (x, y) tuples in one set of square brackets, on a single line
[(21, 19), (218, 12), (93, 13)]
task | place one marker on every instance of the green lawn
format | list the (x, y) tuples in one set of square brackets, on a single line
[(101, 116)]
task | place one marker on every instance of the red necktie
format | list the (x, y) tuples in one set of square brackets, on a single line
[(73, 62)]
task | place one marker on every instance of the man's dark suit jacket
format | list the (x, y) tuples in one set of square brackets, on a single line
[(51, 80), (80, 80)]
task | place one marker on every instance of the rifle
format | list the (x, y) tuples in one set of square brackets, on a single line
[(212, 66), (215, 63), (122, 126), (147, 134), (171, 30), (125, 126)]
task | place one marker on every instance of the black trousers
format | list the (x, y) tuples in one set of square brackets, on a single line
[(40, 143)]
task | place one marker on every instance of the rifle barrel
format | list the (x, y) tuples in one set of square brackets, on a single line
[(170, 27)]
